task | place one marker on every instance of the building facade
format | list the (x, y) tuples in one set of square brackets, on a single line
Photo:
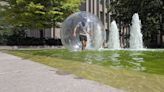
[(99, 8), (44, 33)]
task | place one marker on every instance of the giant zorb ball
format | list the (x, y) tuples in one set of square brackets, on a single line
[(80, 28)]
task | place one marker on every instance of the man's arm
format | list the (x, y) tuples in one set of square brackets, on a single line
[(75, 29)]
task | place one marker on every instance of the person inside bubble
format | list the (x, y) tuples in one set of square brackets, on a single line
[(81, 28)]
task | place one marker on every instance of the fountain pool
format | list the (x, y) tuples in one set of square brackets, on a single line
[(148, 60)]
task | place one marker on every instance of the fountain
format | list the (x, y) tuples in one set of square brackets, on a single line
[(114, 42), (136, 41)]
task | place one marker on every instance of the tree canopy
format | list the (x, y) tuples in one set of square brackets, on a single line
[(38, 13), (124, 9)]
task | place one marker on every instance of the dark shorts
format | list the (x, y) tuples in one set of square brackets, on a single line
[(83, 38)]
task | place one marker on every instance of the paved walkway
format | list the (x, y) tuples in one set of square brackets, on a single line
[(19, 75)]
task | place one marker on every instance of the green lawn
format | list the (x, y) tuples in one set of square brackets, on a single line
[(133, 71)]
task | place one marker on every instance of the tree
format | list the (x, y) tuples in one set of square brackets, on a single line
[(39, 13)]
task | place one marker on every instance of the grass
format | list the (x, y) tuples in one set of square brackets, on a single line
[(133, 71)]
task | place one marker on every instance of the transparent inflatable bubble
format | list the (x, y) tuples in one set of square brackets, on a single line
[(82, 31)]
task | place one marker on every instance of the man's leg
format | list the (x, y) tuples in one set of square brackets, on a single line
[(83, 44)]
